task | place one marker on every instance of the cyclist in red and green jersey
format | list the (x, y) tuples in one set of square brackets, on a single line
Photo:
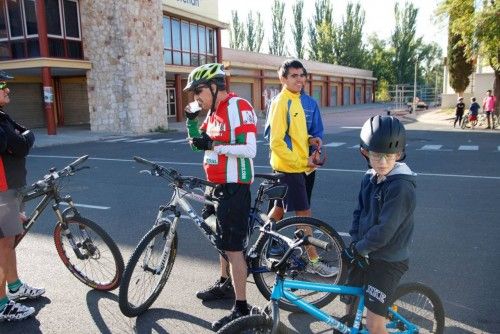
[(228, 138)]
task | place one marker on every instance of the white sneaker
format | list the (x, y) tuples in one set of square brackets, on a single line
[(14, 311), (321, 268), (25, 291)]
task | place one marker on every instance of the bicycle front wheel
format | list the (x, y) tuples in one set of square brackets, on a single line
[(300, 267), (418, 304), (89, 253), (147, 270), (251, 324)]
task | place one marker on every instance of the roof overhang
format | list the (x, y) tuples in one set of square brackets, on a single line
[(195, 17), (59, 67)]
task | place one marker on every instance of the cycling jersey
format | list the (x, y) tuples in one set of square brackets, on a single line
[(233, 128)]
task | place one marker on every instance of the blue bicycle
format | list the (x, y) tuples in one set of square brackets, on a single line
[(416, 309)]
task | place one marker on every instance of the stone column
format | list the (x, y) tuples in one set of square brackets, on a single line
[(123, 40)]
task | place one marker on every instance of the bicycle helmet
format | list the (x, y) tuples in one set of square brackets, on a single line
[(205, 74), (383, 134)]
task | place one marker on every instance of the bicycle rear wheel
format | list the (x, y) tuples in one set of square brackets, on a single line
[(299, 263), (251, 324), (147, 271), (420, 305), (95, 259)]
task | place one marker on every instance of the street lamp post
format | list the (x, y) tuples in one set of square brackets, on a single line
[(414, 104)]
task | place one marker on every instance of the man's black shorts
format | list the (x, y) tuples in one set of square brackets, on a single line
[(232, 215), (380, 280), (296, 194)]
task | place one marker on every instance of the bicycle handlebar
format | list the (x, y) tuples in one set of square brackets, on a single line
[(300, 240), (53, 174), (174, 175)]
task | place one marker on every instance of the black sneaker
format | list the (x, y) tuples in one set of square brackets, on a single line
[(217, 290), (235, 314)]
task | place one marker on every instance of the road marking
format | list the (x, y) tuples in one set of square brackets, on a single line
[(179, 141), (468, 148), (334, 144), (430, 148), (322, 169), (354, 146), (155, 141), (498, 148), (137, 140), (351, 127), (115, 140), (89, 206)]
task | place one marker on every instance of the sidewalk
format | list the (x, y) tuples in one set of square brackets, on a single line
[(432, 119)]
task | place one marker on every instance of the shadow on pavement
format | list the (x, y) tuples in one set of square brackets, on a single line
[(148, 322), (30, 325), (103, 307)]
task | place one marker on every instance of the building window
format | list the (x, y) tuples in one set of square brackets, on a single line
[(358, 94), (333, 96), (187, 43), (317, 90), (347, 95), (19, 29)]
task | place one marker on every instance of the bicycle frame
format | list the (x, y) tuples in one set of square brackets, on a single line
[(283, 287), (49, 195), (179, 199)]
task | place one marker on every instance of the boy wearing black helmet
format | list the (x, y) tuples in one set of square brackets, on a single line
[(382, 224)]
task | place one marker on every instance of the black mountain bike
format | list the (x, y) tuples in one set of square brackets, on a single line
[(149, 267), (85, 248)]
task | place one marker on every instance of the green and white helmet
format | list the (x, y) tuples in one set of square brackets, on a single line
[(204, 74)]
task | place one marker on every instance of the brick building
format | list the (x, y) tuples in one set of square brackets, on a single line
[(119, 66)]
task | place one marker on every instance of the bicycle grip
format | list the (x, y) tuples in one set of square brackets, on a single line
[(319, 243), (78, 161)]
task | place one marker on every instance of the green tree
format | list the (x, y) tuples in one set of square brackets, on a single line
[(380, 60), (431, 64), (236, 32), (298, 28), (480, 32), (322, 32), (254, 33), (405, 43), (459, 65), (277, 43), (348, 47)]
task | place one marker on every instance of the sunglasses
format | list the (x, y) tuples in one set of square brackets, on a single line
[(199, 89), (379, 156), (3, 85)]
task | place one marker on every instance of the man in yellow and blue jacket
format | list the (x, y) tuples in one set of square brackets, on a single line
[(290, 141)]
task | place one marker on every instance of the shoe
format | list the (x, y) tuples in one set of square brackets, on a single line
[(25, 292), (235, 314), (217, 290), (14, 311), (321, 268)]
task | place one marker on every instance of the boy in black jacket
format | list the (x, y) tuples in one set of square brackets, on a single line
[(383, 221), (15, 143)]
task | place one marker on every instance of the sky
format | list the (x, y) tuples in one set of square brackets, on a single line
[(379, 18)]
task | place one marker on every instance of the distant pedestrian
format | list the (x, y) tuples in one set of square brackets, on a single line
[(489, 108), (473, 112), (459, 111)]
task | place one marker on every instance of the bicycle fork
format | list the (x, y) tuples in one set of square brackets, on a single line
[(86, 242), (168, 244)]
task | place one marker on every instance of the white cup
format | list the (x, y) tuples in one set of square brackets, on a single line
[(194, 106)]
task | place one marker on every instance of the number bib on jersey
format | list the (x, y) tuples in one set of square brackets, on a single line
[(211, 158)]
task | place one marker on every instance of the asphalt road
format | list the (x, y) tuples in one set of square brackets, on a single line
[(455, 247)]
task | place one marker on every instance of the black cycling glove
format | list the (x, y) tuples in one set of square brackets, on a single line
[(351, 255), (204, 143), (191, 114)]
